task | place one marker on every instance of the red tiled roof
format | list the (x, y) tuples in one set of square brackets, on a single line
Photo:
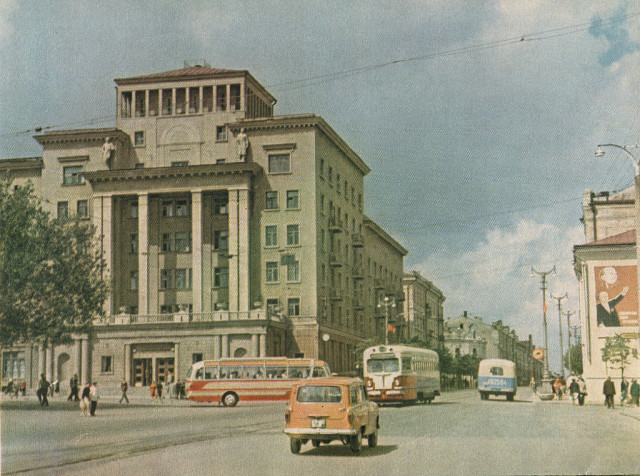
[(626, 238), (184, 73)]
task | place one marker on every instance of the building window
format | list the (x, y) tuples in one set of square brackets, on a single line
[(293, 199), (180, 163), (167, 242), (154, 97), (182, 208), (133, 210), (322, 168), (272, 271), (272, 200), (106, 364), (293, 307), (83, 209), (293, 271), (138, 138), (183, 242), (133, 281), (271, 235), (221, 239), (13, 365), (293, 235), (221, 277), (166, 279), (220, 206), (330, 176), (133, 243), (221, 161), (167, 208), (234, 97), (279, 164), (167, 100), (221, 97), (221, 133), (338, 183), (196, 358), (63, 209), (183, 279), (73, 175)]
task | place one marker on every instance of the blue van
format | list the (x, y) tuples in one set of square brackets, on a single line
[(497, 377)]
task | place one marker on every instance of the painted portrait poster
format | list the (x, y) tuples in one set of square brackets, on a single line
[(616, 296)]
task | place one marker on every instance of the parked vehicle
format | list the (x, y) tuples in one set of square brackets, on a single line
[(497, 377), (327, 409)]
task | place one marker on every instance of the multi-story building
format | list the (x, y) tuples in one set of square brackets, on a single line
[(227, 230), (423, 314)]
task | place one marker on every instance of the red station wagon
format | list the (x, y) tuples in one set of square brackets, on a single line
[(327, 409)]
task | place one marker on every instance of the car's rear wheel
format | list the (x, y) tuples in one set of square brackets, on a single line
[(295, 445), (372, 439), (356, 442)]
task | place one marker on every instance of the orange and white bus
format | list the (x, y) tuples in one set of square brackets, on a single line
[(400, 374), (228, 381)]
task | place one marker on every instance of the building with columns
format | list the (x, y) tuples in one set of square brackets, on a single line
[(227, 231), (423, 310)]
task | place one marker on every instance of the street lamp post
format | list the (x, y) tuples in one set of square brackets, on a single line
[(560, 298), (386, 302), (636, 167), (546, 378), (569, 340)]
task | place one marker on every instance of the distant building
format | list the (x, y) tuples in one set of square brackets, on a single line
[(228, 231), (423, 314)]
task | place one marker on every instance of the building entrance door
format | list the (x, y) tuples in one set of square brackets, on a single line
[(142, 372), (164, 367)]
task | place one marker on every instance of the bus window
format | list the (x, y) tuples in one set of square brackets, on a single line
[(497, 371), (199, 373), (210, 373), (383, 365), (254, 372), (233, 372), (319, 372), (276, 371), (298, 372)]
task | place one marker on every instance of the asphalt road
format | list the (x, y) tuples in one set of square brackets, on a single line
[(457, 434)]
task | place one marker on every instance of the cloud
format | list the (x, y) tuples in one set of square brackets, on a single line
[(616, 35), (7, 9)]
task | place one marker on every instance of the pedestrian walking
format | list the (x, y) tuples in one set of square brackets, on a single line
[(574, 390), (124, 386), (9, 389), (152, 390), (557, 386), (609, 390), (73, 385), (582, 391), (94, 396), (85, 400), (159, 389), (23, 388), (635, 392), (624, 390), (534, 386), (43, 390)]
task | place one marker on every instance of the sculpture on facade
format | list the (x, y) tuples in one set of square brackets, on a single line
[(243, 144), (108, 151)]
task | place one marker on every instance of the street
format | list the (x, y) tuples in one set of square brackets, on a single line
[(457, 434)]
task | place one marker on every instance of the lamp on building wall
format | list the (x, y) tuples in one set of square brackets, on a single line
[(636, 167)]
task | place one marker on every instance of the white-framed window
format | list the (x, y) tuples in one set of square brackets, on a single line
[(83, 209), (221, 239), (293, 199), (293, 235), (182, 279), (167, 242), (166, 279), (271, 202), (13, 365), (133, 280), (63, 209), (293, 271), (106, 364), (221, 277), (221, 133), (272, 271), (182, 208), (220, 206), (167, 208), (133, 209), (73, 175), (280, 163), (293, 307), (138, 138), (271, 235), (183, 242)]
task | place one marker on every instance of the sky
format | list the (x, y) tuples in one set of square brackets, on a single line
[(479, 120)]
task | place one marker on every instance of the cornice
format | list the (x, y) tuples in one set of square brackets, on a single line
[(82, 135)]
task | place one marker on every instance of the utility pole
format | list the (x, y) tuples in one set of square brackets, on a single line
[(569, 339), (546, 378), (560, 298), (386, 302)]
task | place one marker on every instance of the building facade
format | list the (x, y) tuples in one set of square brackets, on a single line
[(423, 315), (227, 231)]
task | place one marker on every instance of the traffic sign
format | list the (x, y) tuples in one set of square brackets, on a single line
[(538, 354)]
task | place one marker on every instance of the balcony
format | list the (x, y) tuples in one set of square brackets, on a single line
[(335, 225), (357, 241), (357, 272), (358, 303), (336, 295), (378, 283), (335, 260)]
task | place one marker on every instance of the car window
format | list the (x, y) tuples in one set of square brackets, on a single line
[(496, 371), (319, 394), (362, 395), (353, 395)]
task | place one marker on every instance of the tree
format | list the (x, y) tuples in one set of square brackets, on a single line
[(576, 359), (616, 353), (50, 272)]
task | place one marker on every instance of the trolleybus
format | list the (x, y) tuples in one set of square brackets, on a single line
[(228, 381), (399, 374)]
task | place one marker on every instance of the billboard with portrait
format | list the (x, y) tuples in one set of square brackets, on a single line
[(616, 295)]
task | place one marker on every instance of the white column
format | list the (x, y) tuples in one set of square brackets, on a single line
[(42, 360), (143, 253), (196, 250), (127, 363), (225, 346), (102, 219), (263, 345), (239, 250), (216, 347), (49, 367), (254, 345), (78, 357), (85, 377)]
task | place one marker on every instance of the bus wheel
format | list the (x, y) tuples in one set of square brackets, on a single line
[(315, 443), (356, 442), (229, 399), (510, 397), (295, 445)]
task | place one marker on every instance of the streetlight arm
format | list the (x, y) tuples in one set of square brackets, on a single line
[(600, 153)]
